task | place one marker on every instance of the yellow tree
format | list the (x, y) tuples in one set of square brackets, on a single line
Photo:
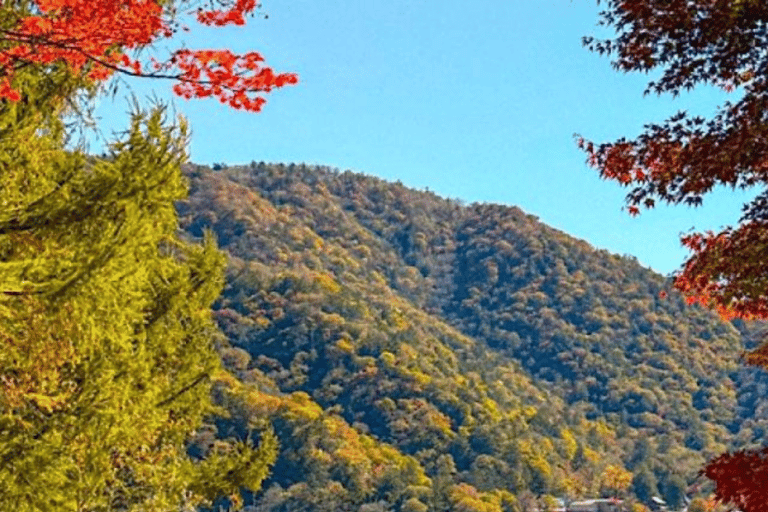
[(615, 480)]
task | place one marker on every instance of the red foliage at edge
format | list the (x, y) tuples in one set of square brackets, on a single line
[(94, 37), (679, 161)]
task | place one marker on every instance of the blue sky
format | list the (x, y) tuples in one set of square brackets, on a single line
[(473, 100)]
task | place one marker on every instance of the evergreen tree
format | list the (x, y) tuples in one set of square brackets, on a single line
[(106, 351), (644, 484), (674, 491)]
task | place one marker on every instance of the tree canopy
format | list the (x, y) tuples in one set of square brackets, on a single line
[(107, 345), (679, 161), (474, 345)]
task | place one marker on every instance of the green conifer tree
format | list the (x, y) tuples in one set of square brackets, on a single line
[(106, 352)]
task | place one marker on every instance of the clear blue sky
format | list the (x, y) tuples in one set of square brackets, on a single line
[(473, 100)]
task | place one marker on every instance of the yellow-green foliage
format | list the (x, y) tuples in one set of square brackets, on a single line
[(327, 283), (106, 350), (471, 333), (345, 346), (362, 462), (568, 443), (465, 498), (534, 455)]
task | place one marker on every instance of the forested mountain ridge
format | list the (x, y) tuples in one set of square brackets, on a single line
[(415, 353)]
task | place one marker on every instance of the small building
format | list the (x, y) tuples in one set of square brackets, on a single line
[(657, 504), (597, 505)]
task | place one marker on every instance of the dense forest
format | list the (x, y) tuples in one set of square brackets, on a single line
[(414, 353)]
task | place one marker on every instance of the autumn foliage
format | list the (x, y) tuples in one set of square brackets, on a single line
[(100, 38), (693, 43), (526, 328)]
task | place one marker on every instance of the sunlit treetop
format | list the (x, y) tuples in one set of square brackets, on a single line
[(99, 38)]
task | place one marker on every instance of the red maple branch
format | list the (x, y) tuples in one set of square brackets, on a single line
[(92, 38)]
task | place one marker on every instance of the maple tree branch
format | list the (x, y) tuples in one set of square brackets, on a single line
[(70, 46)]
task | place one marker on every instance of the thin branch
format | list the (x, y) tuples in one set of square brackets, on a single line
[(26, 38), (200, 378)]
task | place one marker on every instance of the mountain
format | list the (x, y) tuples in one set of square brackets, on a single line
[(415, 353)]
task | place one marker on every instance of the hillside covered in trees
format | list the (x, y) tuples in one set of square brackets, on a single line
[(414, 353)]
